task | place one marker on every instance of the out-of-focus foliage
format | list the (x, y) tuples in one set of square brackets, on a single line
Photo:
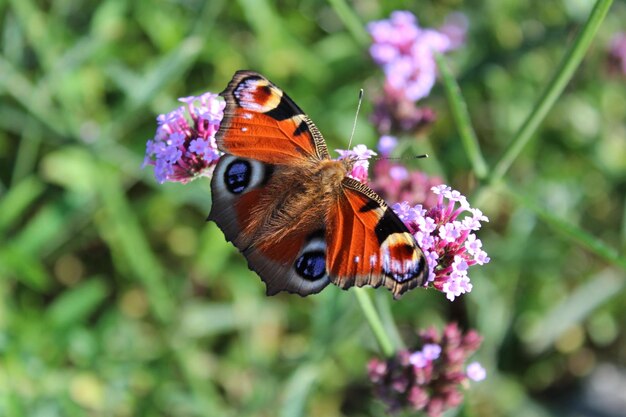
[(117, 299)]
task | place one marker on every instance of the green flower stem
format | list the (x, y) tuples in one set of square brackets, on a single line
[(376, 324), (461, 118), (566, 69)]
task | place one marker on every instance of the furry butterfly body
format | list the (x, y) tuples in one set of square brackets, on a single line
[(293, 212)]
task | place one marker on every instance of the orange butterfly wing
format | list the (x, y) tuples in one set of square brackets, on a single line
[(369, 245), (262, 122), (294, 263)]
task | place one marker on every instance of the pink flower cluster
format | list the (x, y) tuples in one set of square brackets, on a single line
[(184, 146), (406, 53), (361, 155), (449, 244), (428, 378)]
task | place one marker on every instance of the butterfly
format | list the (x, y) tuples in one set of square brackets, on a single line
[(292, 211)]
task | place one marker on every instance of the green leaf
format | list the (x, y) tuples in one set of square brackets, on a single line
[(573, 232), (77, 304), (575, 308), (24, 267), (207, 319), (17, 200), (297, 390)]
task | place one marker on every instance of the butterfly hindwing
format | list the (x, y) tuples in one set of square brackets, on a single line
[(369, 245), (262, 122), (236, 187), (294, 263)]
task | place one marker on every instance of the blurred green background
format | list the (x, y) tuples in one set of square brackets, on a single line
[(118, 299)]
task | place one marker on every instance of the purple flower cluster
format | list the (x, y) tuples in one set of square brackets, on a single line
[(449, 244), (361, 155), (184, 146), (428, 378), (406, 53), (617, 53)]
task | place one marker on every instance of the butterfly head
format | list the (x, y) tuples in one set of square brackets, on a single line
[(349, 162), (331, 173)]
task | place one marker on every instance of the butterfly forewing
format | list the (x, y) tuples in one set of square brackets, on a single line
[(263, 123)]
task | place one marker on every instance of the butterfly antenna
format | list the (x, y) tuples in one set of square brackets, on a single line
[(424, 155), (356, 116)]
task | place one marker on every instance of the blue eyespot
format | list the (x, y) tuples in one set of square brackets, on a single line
[(311, 265), (237, 176)]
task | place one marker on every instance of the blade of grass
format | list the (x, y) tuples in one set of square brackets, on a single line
[(26, 158), (274, 37), (365, 301), (207, 17), (575, 308), (77, 304), (461, 118), (206, 396), (351, 20), (623, 229), (37, 102), (120, 228), (573, 232), (38, 29), (564, 73), (15, 202), (24, 267), (298, 389), (165, 71)]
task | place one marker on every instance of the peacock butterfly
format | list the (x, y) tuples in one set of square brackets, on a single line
[(292, 211)]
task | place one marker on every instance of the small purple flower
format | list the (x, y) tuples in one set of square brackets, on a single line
[(418, 359), (450, 245), (476, 372), (386, 144), (398, 173), (184, 147), (429, 377), (360, 154), (431, 351)]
